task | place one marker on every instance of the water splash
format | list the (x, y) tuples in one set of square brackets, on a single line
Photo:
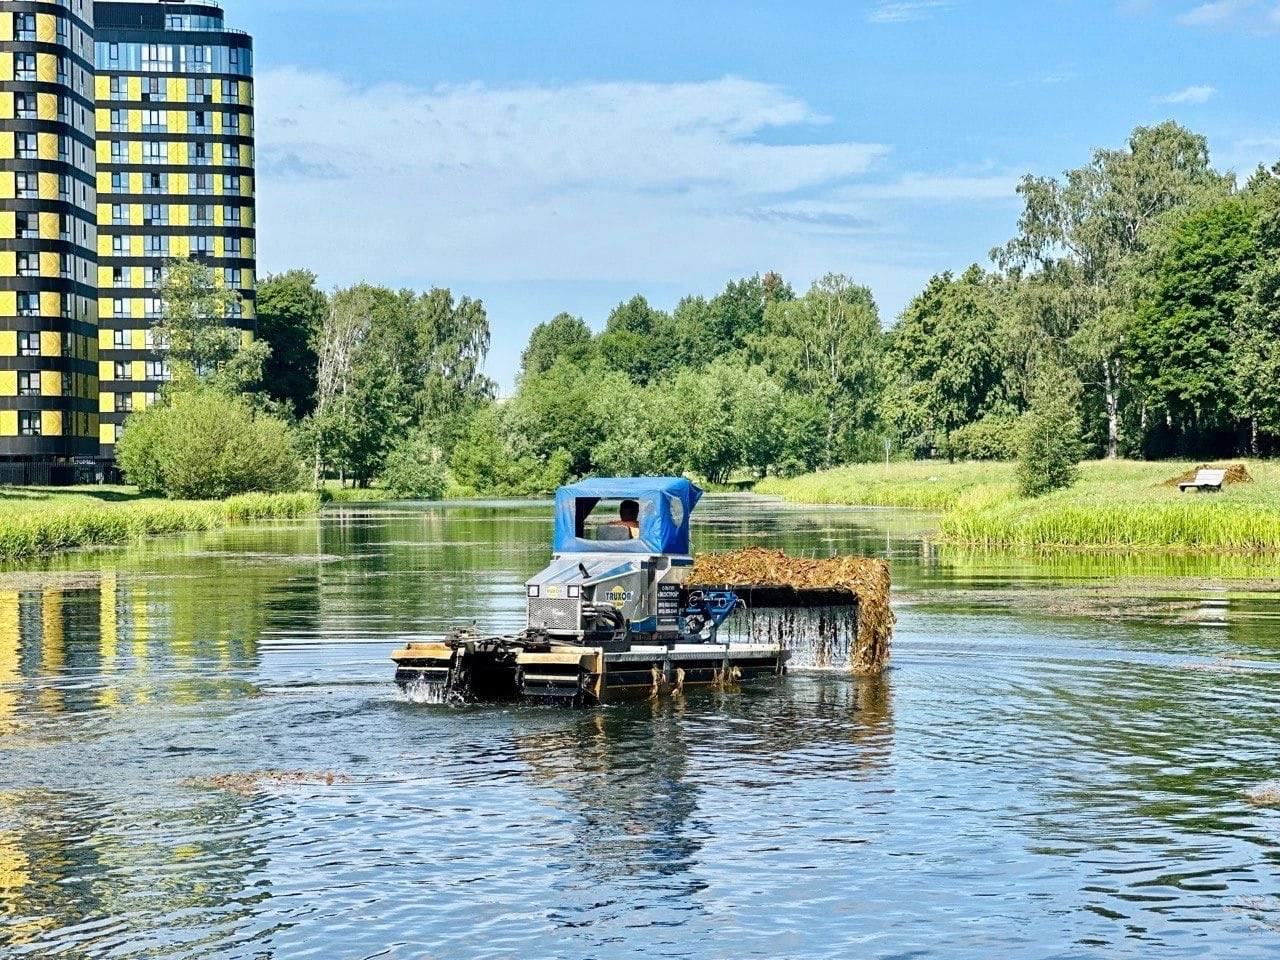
[(818, 638), (422, 693)]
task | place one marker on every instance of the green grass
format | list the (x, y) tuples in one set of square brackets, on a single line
[(924, 485), (40, 520), (1116, 505)]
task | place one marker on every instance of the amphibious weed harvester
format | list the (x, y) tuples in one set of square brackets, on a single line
[(611, 615)]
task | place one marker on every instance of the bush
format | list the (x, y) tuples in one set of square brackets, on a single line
[(1049, 445), (416, 469), (201, 444), (994, 437)]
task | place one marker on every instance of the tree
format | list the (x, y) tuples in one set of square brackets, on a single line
[(291, 314), (1049, 446), (562, 338), (485, 463), (200, 443), (945, 362), (555, 411), (1081, 234), (416, 468), (195, 335), (1256, 367), (639, 341), (828, 344), (1181, 348)]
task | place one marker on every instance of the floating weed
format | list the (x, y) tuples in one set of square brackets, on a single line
[(1264, 795)]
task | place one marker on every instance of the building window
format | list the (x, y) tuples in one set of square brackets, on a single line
[(153, 308), (157, 246), (24, 26), (68, 304), (235, 310), (119, 120), (119, 87), (124, 402), (28, 264), (64, 147), (28, 383), (119, 183), (118, 277), (119, 213), (157, 370), (28, 185), (29, 306), (67, 271), (28, 146), (120, 338), (28, 226), (29, 423), (153, 152), (24, 105), (28, 343), (201, 215), (155, 183), (64, 187), (119, 151), (24, 66), (151, 90), (67, 385), (230, 154), (230, 91), (202, 246), (231, 185), (123, 370), (231, 216), (232, 246), (199, 91), (153, 121), (62, 30), (64, 109), (155, 214), (120, 246), (201, 183), (233, 277)]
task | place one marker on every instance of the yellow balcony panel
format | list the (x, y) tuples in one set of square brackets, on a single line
[(139, 370), (8, 181), (8, 423), (134, 86), (51, 423), (135, 151), (107, 432), (178, 154), (138, 339), (46, 28), (9, 339), (104, 184), (50, 344), (50, 264), (48, 186), (50, 306), (135, 214), (106, 402), (8, 150), (140, 401), (49, 226), (134, 121), (46, 68), (50, 383), (177, 90), (47, 106), (105, 338), (104, 247), (104, 157), (102, 90), (106, 371), (8, 383)]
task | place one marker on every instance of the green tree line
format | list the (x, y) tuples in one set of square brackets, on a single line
[(1133, 313)]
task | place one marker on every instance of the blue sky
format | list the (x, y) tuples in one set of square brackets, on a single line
[(564, 155)]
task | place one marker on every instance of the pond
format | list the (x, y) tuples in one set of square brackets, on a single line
[(1059, 763)]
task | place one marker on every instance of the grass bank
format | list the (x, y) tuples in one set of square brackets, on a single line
[(38, 521), (1116, 505)]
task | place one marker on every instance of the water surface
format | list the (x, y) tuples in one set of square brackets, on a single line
[(1056, 766)]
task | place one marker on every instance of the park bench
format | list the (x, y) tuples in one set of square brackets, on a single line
[(1210, 480)]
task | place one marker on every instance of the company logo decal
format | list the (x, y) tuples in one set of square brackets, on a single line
[(618, 597)]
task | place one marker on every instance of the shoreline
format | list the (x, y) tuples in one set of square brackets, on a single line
[(40, 522), (1116, 506)]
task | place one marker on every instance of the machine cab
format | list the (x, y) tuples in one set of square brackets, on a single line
[(607, 580)]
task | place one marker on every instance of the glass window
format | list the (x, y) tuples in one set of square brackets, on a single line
[(29, 423), (24, 65), (28, 146), (24, 105), (24, 26), (120, 338), (28, 383), (28, 186), (29, 306), (124, 402), (123, 370), (28, 343)]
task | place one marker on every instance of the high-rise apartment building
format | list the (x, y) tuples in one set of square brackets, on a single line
[(48, 240), (175, 178), (126, 141)]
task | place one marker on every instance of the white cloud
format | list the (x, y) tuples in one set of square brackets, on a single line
[(1252, 15), (581, 181), (902, 11), (1189, 95)]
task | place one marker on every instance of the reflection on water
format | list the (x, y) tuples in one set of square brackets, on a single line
[(1055, 767)]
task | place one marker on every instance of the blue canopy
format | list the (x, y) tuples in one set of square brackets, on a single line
[(665, 506)]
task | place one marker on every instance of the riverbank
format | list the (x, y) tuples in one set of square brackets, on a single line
[(1115, 505), (35, 521)]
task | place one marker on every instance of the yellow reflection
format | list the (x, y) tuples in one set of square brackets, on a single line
[(138, 611), (10, 651), (109, 638)]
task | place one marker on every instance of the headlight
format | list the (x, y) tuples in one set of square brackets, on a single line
[(574, 591), (533, 590)]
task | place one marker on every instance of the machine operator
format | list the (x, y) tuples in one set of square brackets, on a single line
[(629, 517)]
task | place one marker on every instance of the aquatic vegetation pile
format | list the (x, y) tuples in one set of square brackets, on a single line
[(1235, 473), (32, 528), (803, 595), (255, 781)]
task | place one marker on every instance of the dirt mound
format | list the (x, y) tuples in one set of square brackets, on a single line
[(1236, 473), (866, 579)]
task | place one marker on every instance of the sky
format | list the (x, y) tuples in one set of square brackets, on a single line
[(566, 154)]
